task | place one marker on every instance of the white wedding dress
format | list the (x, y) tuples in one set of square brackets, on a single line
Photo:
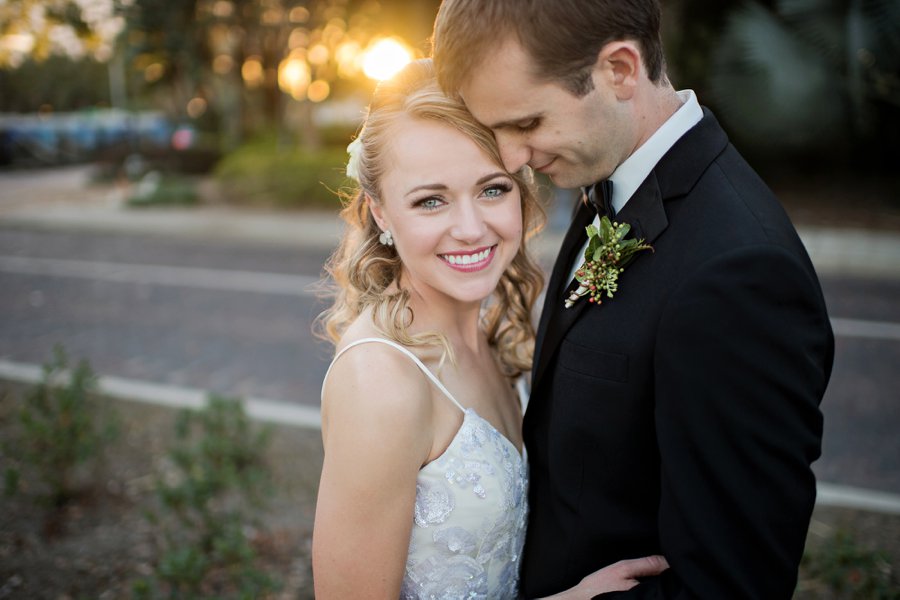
[(470, 511)]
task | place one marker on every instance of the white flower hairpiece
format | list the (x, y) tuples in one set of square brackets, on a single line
[(354, 150)]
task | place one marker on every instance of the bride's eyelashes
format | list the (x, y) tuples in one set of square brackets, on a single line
[(429, 203), (494, 190), (497, 190)]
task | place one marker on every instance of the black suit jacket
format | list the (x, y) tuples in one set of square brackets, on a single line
[(681, 416)]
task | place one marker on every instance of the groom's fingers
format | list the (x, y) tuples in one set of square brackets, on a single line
[(642, 567)]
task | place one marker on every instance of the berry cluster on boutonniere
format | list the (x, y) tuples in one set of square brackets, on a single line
[(606, 256)]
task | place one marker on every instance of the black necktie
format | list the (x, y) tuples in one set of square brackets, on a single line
[(600, 197)]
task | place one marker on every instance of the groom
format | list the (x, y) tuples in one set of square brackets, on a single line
[(681, 416)]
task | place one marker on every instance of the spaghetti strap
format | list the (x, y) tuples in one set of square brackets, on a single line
[(415, 359)]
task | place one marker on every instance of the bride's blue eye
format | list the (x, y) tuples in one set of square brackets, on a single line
[(497, 190), (431, 203)]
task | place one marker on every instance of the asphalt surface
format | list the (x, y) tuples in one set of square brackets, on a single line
[(196, 299)]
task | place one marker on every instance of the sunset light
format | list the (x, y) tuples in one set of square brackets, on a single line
[(384, 58)]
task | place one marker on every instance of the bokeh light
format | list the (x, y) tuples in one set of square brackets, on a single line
[(384, 58), (294, 76), (252, 72), (196, 107), (318, 90), (223, 64)]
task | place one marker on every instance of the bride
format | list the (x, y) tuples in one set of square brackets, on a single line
[(425, 479)]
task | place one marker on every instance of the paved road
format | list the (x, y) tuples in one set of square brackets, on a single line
[(228, 319), (235, 318), (202, 299)]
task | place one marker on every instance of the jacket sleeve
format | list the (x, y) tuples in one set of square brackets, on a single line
[(743, 355)]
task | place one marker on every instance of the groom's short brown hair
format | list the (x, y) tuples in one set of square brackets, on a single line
[(562, 37)]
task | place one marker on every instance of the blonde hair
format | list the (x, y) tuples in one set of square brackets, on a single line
[(364, 270)]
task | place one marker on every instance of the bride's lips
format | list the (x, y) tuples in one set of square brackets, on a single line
[(469, 261)]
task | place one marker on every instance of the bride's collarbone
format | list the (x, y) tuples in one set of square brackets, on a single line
[(482, 387)]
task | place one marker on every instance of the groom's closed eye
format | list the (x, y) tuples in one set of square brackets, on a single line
[(528, 124)]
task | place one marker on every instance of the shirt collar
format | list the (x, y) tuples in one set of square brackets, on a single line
[(631, 174)]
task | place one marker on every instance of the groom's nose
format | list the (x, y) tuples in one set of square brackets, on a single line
[(513, 152)]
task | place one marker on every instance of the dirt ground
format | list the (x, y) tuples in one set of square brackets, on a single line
[(101, 542)]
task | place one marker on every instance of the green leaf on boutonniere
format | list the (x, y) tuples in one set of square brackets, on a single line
[(607, 254)]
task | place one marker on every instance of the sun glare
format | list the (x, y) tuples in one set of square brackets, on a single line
[(384, 58)]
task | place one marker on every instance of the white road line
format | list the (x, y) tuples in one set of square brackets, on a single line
[(279, 283), (261, 409), (212, 279), (272, 411), (829, 494), (879, 330)]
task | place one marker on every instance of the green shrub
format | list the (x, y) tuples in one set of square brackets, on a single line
[(260, 173), (850, 571), (217, 475), (155, 189), (62, 428)]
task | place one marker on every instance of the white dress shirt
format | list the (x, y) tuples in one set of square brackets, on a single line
[(631, 174)]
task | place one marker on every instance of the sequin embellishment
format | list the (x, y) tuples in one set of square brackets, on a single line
[(470, 513)]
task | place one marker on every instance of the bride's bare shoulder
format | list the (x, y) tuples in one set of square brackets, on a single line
[(375, 376)]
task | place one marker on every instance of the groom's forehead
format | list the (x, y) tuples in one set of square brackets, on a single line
[(506, 66)]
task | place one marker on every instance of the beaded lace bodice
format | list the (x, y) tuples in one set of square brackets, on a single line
[(470, 512)]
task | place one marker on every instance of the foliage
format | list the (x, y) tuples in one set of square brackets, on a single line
[(261, 173), (219, 61), (42, 28), (819, 76), (62, 428), (49, 82), (852, 571), (607, 254), (155, 189), (217, 475)]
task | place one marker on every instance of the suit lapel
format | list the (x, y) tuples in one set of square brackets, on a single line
[(647, 216), (559, 278), (674, 175)]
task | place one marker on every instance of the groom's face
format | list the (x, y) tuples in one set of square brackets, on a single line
[(574, 140)]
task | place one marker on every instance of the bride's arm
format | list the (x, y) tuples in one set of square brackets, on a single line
[(376, 428), (617, 577)]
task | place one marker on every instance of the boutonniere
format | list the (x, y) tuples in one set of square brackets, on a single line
[(607, 255)]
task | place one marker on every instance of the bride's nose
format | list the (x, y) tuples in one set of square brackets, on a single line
[(468, 222)]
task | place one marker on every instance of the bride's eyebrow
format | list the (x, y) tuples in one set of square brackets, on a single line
[(439, 187), (494, 175), (433, 187)]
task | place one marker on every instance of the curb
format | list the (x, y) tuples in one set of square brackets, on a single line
[(308, 417)]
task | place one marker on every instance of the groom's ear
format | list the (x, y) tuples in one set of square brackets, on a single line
[(620, 66)]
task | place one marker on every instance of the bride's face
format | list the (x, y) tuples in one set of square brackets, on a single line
[(455, 215)]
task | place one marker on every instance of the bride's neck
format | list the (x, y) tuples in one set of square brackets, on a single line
[(458, 321)]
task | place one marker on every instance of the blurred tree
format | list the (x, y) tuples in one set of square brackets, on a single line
[(34, 85), (813, 77), (37, 29), (244, 65), (691, 30)]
